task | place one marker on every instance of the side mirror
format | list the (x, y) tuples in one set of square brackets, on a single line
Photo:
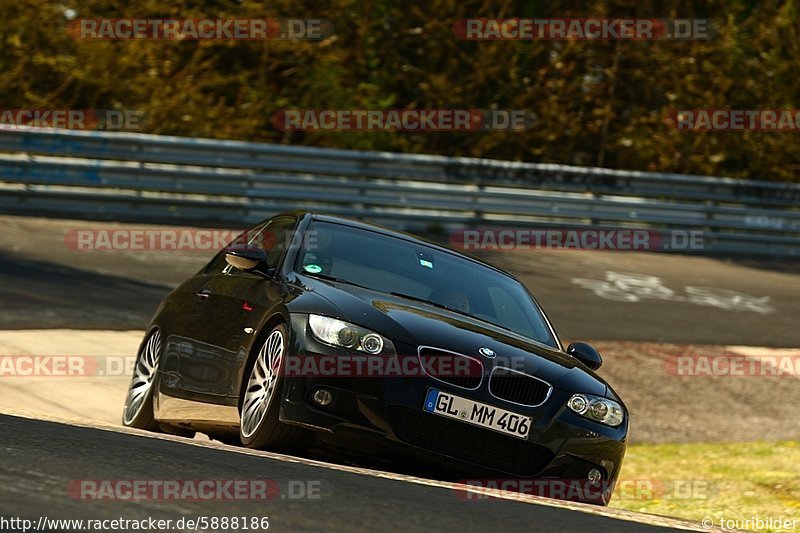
[(249, 260), (586, 354)]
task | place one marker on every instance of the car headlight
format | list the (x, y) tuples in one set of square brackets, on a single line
[(601, 410), (345, 335)]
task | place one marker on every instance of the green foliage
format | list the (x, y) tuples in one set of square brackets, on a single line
[(597, 102)]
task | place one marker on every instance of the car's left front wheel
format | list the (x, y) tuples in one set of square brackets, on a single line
[(138, 411), (260, 426)]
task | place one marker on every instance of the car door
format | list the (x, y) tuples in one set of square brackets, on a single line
[(225, 316)]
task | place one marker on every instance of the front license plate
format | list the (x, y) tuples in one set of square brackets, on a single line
[(479, 414)]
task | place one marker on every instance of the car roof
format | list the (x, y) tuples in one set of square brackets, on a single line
[(324, 217)]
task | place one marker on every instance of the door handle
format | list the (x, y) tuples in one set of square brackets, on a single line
[(204, 294)]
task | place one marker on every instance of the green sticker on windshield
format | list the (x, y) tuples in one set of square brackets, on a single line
[(314, 269), (425, 259)]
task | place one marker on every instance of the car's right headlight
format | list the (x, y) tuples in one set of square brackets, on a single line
[(345, 335), (598, 409)]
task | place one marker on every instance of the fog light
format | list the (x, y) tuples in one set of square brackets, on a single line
[(595, 475), (322, 397)]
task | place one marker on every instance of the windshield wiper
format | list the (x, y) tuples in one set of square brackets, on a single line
[(327, 277), (434, 304), (442, 306)]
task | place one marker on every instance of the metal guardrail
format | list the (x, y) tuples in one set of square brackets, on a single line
[(160, 179)]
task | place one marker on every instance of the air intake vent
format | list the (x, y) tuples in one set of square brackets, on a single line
[(518, 387)]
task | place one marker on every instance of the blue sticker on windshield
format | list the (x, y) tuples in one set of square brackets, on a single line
[(314, 269), (425, 263)]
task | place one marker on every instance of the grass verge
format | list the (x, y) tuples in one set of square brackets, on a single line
[(731, 481)]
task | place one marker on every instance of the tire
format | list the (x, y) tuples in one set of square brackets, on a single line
[(230, 440), (259, 403), (138, 411)]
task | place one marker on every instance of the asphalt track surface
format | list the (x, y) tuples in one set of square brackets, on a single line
[(45, 284), (41, 458)]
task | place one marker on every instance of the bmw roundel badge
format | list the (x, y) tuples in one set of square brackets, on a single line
[(487, 352)]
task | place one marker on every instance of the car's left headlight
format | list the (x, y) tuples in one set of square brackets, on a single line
[(598, 409), (345, 335)]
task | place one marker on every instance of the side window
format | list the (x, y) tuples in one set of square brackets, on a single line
[(276, 237), (218, 264), (248, 238), (273, 237)]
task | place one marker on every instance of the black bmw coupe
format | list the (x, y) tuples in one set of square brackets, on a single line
[(318, 329)]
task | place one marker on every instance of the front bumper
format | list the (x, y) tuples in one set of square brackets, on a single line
[(382, 417)]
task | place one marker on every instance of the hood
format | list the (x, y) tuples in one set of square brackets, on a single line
[(410, 324)]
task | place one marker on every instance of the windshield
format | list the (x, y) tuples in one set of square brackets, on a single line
[(396, 266)]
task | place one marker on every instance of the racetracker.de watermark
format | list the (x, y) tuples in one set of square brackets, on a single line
[(402, 119), (65, 366), (183, 240), (585, 29), (734, 366), (639, 240), (733, 119), (588, 491), (73, 119), (193, 490), (242, 29), (397, 366)]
